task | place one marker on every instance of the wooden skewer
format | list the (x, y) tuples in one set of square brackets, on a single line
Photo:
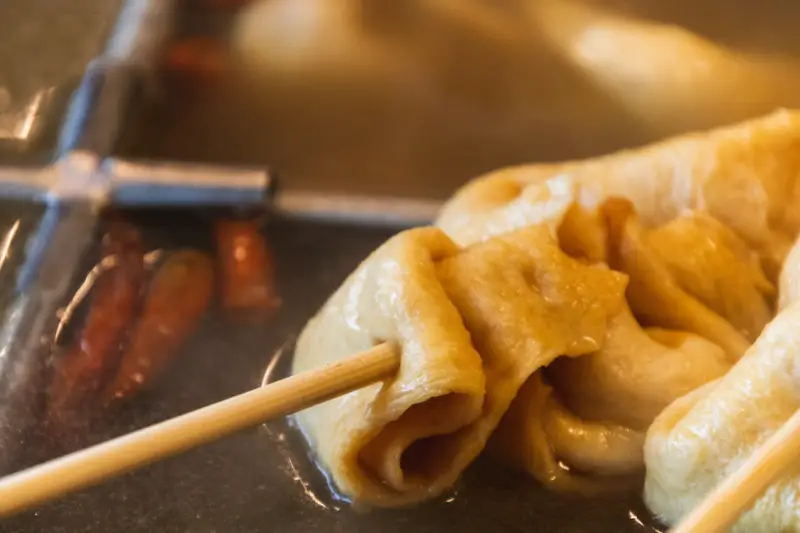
[(93, 465), (737, 493)]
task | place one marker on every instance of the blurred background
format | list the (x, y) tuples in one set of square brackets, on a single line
[(407, 98), (45, 46)]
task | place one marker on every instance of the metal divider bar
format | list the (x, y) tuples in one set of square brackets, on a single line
[(384, 211)]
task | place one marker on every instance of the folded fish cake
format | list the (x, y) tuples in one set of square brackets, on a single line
[(589, 296), (703, 437), (472, 326), (745, 176)]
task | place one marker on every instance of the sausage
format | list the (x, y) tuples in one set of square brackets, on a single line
[(199, 60), (177, 299), (228, 4), (246, 268), (82, 371)]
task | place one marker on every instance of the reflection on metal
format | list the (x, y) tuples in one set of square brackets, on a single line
[(54, 255), (390, 211), (638, 521), (77, 177), (110, 91), (79, 111), (44, 50), (31, 184), (80, 176), (6, 242), (97, 111), (307, 490), (60, 225), (11, 324), (20, 123), (269, 372), (142, 28), (180, 184)]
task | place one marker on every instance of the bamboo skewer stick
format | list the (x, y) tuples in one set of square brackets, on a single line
[(93, 465), (737, 493)]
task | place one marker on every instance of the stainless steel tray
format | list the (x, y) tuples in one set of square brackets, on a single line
[(122, 137)]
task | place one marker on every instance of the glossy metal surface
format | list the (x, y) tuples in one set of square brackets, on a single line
[(82, 176), (25, 183), (393, 212), (174, 184), (40, 250), (44, 49), (459, 87), (98, 111)]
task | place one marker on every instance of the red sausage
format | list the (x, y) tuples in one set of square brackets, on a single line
[(246, 268), (177, 299), (228, 4), (83, 370), (199, 60)]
